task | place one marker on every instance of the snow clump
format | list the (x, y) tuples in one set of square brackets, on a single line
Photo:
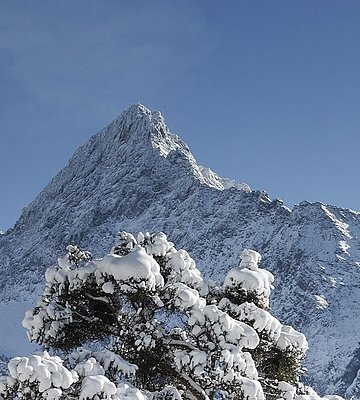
[(249, 278)]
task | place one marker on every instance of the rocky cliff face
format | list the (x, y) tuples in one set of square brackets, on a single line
[(135, 175)]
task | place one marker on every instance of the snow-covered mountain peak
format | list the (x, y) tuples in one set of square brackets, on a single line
[(136, 175), (138, 124), (144, 132), (135, 154)]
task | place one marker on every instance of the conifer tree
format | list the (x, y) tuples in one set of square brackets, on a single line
[(141, 323)]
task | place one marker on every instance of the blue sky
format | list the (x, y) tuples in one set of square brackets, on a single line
[(265, 92)]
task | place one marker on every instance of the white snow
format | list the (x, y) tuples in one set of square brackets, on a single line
[(223, 327), (44, 370), (183, 269), (250, 280), (287, 390), (340, 225), (248, 277), (321, 301), (96, 385), (89, 367), (137, 266), (108, 287), (158, 245), (186, 297), (291, 339), (127, 392), (259, 319), (250, 259), (252, 389)]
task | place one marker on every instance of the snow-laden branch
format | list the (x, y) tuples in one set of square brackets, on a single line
[(198, 389), (181, 343)]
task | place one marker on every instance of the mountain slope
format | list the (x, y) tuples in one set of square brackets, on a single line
[(136, 175)]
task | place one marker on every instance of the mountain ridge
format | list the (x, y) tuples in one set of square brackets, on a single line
[(136, 175)]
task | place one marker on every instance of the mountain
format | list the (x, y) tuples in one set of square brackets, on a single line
[(135, 175)]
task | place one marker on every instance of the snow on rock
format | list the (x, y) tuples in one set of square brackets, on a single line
[(213, 179), (312, 395), (137, 266), (322, 302)]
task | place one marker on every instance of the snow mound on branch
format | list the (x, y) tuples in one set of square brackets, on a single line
[(96, 385), (224, 328), (156, 245), (137, 266), (65, 276), (287, 390), (108, 287), (291, 339), (55, 316), (260, 319), (109, 359), (106, 358), (186, 298), (252, 389), (248, 277), (183, 268), (283, 336), (250, 259), (127, 392), (44, 370), (205, 341), (89, 367)]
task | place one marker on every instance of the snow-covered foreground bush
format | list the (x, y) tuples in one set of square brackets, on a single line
[(141, 323)]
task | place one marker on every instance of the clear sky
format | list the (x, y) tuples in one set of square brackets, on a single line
[(266, 92)]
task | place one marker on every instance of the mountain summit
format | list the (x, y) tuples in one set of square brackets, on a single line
[(135, 175)]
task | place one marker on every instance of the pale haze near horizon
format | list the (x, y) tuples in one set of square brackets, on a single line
[(262, 92)]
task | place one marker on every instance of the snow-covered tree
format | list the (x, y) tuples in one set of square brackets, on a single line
[(141, 323), (281, 350)]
